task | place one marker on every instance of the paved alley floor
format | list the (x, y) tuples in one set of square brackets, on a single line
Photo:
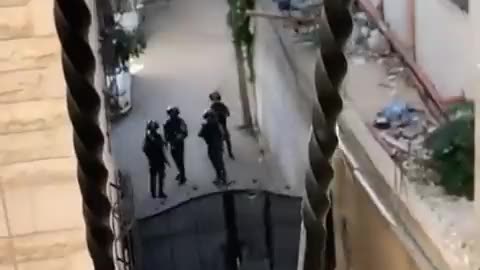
[(189, 54)]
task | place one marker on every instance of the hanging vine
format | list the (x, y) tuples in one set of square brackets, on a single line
[(453, 151), (127, 45), (124, 45), (242, 31)]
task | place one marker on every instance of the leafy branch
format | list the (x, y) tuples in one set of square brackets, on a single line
[(127, 45), (123, 45), (239, 22), (453, 150)]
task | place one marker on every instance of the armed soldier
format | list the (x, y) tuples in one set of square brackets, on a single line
[(222, 112), (153, 147), (213, 134), (175, 131)]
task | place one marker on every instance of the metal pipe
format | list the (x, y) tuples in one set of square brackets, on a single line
[(335, 27), (72, 21)]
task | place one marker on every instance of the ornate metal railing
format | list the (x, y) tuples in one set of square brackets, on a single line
[(335, 26), (73, 20), (121, 195)]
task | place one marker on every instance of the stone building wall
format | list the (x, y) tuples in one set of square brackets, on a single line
[(41, 225)]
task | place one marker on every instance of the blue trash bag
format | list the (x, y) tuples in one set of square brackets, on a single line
[(399, 112)]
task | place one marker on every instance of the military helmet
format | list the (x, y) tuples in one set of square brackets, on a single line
[(215, 96), (152, 125), (173, 110)]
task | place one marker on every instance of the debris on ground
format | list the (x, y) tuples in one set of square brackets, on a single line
[(367, 43), (400, 114), (402, 127), (366, 38), (377, 43), (394, 142)]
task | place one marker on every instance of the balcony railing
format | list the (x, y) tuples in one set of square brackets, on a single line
[(120, 193)]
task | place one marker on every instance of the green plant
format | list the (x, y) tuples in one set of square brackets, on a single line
[(239, 22), (126, 45), (452, 146)]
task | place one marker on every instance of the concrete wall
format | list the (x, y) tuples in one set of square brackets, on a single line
[(284, 98), (41, 225), (444, 49), (365, 239), (400, 17)]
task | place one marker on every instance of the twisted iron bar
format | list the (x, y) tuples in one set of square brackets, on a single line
[(335, 26), (72, 21)]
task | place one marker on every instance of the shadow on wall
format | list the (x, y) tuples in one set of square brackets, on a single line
[(462, 4)]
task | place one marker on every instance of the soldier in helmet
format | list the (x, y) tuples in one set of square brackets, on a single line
[(213, 134), (223, 113), (153, 147), (175, 131)]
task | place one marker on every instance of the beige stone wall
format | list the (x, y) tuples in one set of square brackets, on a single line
[(365, 240), (41, 225)]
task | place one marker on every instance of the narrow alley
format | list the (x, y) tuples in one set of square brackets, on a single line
[(189, 54)]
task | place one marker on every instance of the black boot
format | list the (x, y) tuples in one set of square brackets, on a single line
[(224, 177), (153, 184), (182, 180), (161, 177), (162, 195)]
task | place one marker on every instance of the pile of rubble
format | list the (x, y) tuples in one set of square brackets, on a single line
[(367, 43), (401, 129), (402, 126), (366, 38)]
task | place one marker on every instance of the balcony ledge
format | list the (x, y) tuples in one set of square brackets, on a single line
[(422, 222)]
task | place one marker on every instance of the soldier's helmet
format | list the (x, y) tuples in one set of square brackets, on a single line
[(152, 126), (215, 96), (208, 114), (173, 110)]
